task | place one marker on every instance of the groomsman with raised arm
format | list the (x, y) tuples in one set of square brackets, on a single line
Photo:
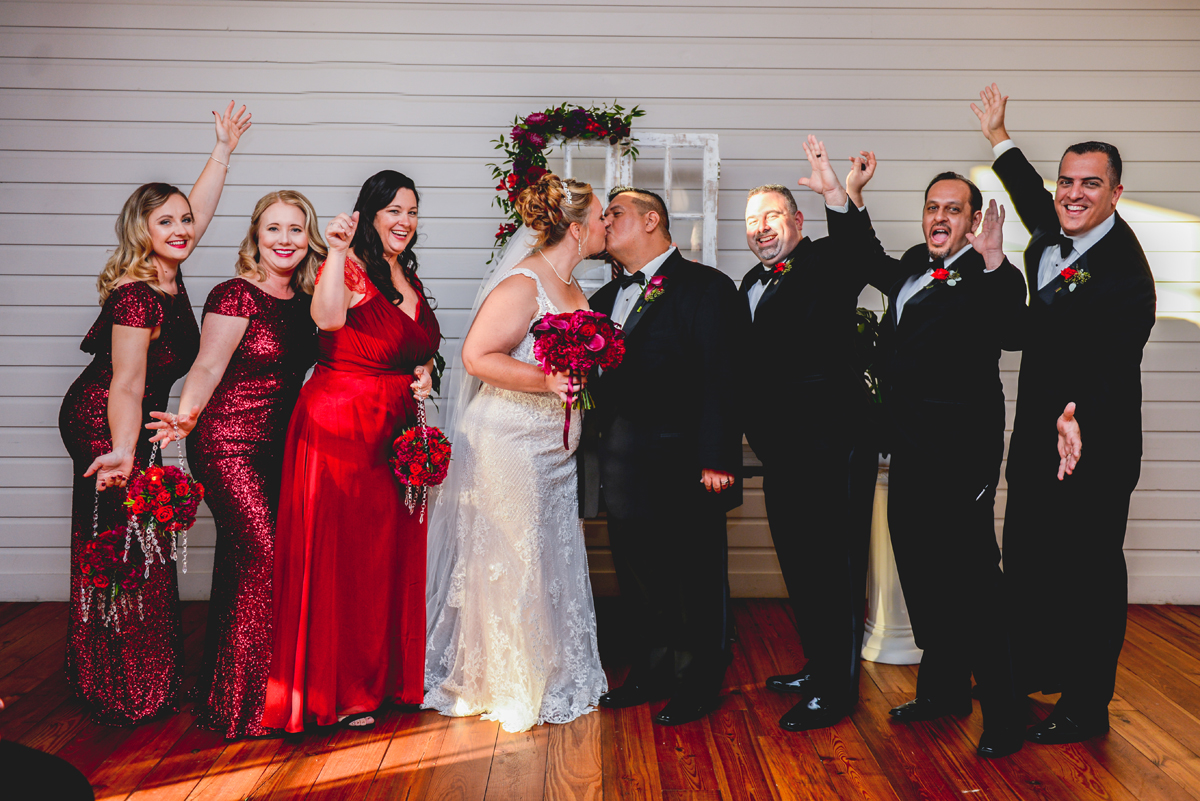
[(808, 420), (952, 301), (1091, 308), (669, 430)]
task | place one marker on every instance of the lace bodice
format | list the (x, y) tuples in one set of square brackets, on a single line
[(513, 633)]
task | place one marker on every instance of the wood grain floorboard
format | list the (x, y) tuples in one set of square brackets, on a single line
[(739, 752)]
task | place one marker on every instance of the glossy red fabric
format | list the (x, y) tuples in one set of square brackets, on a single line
[(349, 582)]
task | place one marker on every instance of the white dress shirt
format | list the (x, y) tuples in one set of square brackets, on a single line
[(756, 293), (916, 283), (627, 297), (1052, 261)]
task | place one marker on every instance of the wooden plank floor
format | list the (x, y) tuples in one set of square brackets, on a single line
[(1151, 754)]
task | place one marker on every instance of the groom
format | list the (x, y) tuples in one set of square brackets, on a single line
[(669, 441)]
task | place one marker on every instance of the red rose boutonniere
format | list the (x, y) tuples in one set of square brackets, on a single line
[(950, 277), (1074, 277), (782, 268), (654, 290)]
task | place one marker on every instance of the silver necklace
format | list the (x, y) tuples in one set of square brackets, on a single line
[(568, 281)]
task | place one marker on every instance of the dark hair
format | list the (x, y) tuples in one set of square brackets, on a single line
[(778, 189), (377, 193), (1114, 157), (976, 195), (646, 201)]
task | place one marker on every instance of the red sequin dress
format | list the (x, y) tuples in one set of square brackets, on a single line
[(349, 589), (130, 675), (236, 451)]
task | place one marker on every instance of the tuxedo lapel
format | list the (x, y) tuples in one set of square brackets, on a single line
[(1059, 287), (751, 278), (643, 306)]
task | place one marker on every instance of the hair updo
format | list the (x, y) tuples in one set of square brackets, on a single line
[(544, 207)]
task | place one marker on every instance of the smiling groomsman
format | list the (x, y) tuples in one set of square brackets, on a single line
[(1091, 309), (952, 302), (808, 421)]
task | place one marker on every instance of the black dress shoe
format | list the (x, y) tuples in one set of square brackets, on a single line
[(930, 709), (1060, 728), (684, 710), (799, 683), (1000, 744), (632, 693), (815, 713)]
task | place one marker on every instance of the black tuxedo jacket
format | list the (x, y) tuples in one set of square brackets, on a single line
[(1083, 345), (807, 392), (938, 365), (673, 406)]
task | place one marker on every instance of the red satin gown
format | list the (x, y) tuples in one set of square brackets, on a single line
[(349, 584), (131, 675)]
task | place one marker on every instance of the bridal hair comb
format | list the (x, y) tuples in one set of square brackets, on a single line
[(567, 189)]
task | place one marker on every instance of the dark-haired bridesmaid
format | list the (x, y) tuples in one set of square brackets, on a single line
[(256, 343), (349, 583), (143, 341)]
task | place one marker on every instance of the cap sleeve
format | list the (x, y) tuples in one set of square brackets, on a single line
[(356, 278), (136, 305), (234, 298)]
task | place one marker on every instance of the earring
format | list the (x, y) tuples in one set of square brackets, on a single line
[(580, 241)]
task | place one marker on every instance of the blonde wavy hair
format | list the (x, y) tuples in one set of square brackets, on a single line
[(132, 255), (305, 274), (545, 208)]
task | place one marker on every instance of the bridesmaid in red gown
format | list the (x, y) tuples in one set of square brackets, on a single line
[(349, 590), (258, 341), (144, 339)]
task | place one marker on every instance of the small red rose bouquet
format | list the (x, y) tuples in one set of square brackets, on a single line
[(577, 342), (112, 573), (420, 461), (161, 502)]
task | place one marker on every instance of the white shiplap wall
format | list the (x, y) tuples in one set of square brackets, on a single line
[(98, 97)]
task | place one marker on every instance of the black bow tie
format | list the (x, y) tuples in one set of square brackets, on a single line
[(937, 264), (627, 280), (1065, 245), (767, 274)]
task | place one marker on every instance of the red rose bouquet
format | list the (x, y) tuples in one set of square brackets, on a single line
[(112, 573), (420, 461), (577, 342), (161, 502)]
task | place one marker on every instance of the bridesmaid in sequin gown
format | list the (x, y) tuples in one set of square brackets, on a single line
[(257, 342), (349, 588), (143, 341)]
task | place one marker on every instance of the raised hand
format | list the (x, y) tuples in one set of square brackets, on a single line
[(173, 427), (340, 231), (991, 116), (111, 469), (823, 180), (862, 168), (1070, 442), (989, 242), (230, 128), (716, 480)]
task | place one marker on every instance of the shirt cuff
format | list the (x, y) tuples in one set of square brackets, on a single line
[(1002, 148), (842, 209)]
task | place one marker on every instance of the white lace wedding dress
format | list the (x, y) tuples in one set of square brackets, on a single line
[(512, 634)]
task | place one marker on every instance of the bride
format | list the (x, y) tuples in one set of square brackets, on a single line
[(511, 623)]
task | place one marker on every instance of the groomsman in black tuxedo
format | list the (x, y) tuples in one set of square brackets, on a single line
[(669, 439), (1091, 309), (952, 301), (808, 420)]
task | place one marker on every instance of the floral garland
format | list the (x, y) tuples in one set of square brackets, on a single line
[(525, 151)]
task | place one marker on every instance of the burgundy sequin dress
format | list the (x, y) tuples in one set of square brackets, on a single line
[(236, 451), (349, 591), (130, 675)]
